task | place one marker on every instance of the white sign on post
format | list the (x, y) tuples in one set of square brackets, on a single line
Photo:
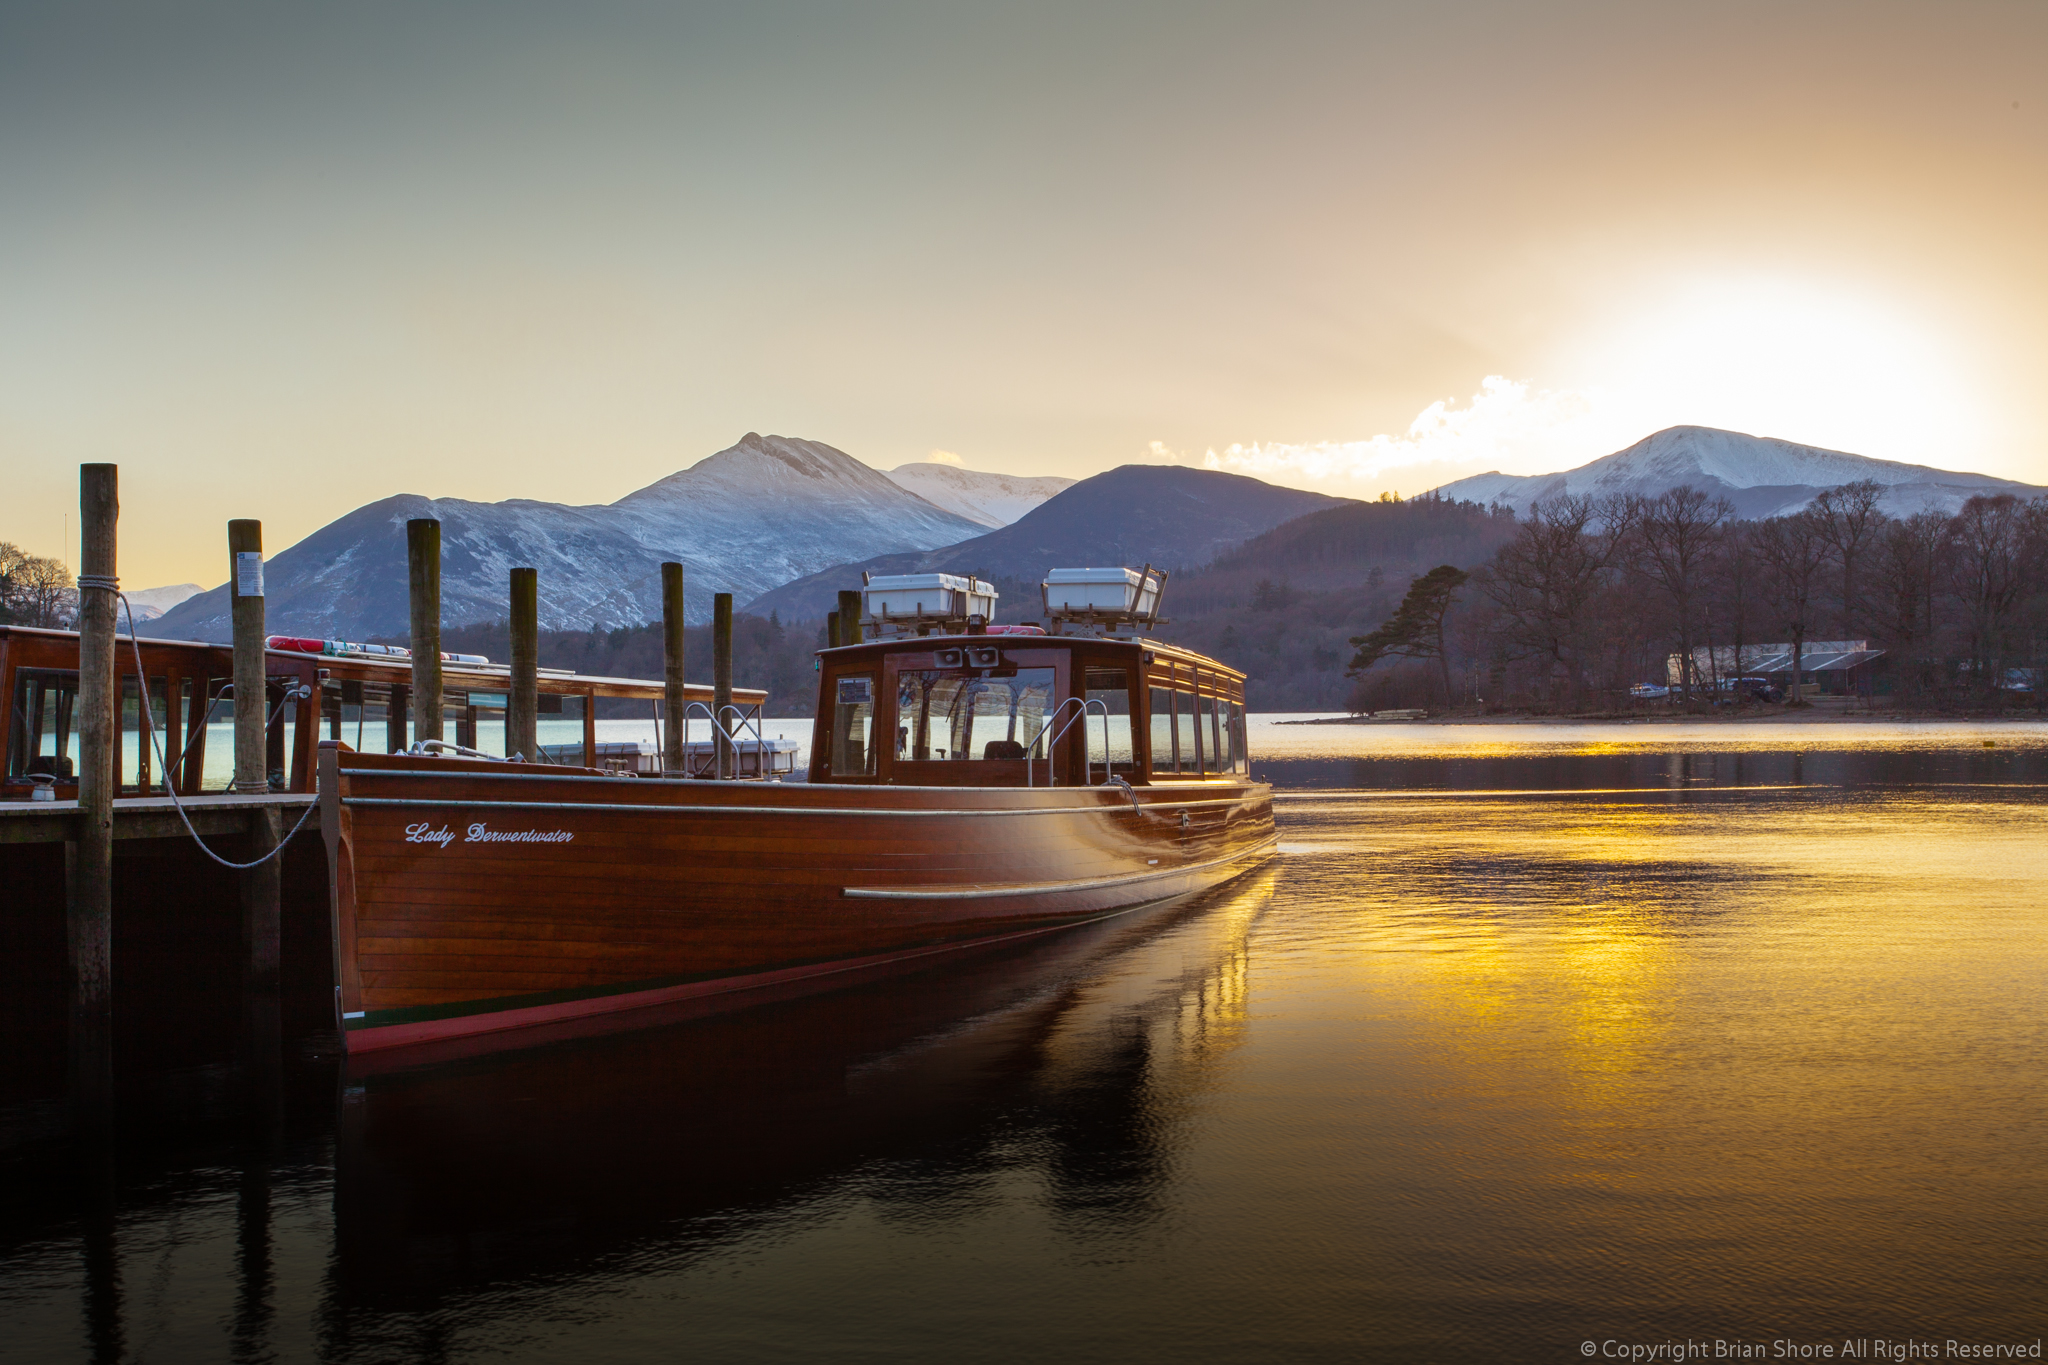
[(248, 573)]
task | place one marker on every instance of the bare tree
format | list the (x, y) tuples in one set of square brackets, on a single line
[(1793, 550), (1849, 521), (12, 557), (1986, 558), (1735, 583), (34, 591), (1905, 561), (1546, 579), (1675, 537)]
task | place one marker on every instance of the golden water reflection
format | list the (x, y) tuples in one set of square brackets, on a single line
[(1468, 1073), (1730, 1057)]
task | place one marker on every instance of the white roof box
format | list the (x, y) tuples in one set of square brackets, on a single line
[(914, 599), (1104, 596)]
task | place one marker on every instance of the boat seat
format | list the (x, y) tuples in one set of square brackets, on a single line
[(1002, 748)]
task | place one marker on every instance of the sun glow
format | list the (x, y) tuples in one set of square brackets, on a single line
[(1787, 358), (1770, 357)]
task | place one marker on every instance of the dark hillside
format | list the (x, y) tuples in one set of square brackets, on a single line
[(1284, 606), (1136, 514)]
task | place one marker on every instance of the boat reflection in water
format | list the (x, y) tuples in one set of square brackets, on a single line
[(493, 1194)]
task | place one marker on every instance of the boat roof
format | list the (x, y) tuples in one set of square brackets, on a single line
[(1153, 650)]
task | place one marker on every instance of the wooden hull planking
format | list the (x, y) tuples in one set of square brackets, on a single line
[(469, 899)]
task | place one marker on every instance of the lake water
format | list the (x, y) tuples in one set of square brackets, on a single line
[(1533, 1037)]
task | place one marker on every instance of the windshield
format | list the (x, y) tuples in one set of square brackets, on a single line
[(963, 715)]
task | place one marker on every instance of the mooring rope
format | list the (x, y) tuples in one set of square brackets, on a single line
[(113, 585)]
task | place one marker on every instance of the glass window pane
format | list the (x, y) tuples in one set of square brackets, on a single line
[(45, 706), (1184, 729), (133, 741), (558, 725), (491, 718), (1109, 738), (1215, 758), (283, 735), (1162, 730), (954, 715), (853, 715), (177, 732), (219, 767)]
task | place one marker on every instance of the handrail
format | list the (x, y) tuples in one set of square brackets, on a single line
[(427, 748), (1081, 714), (741, 718)]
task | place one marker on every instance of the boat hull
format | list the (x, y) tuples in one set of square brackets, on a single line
[(470, 899)]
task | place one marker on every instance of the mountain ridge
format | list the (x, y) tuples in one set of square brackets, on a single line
[(760, 512), (991, 499), (1168, 515), (1763, 476)]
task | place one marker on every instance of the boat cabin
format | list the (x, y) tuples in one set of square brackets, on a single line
[(359, 695), (945, 700)]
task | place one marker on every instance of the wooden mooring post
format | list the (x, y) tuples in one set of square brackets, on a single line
[(522, 713), (674, 697), (89, 855), (721, 679), (849, 618), (423, 566), (262, 887)]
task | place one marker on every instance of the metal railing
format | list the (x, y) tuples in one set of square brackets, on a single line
[(1081, 711), (726, 737)]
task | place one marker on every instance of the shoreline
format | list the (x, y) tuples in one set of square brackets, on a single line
[(1812, 715)]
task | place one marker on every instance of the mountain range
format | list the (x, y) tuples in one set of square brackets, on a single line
[(991, 499), (150, 603), (785, 524), (1760, 475), (753, 516), (1167, 515)]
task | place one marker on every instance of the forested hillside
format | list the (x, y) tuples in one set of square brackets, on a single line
[(1284, 606)]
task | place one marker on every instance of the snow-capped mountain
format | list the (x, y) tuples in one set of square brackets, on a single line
[(991, 499), (1760, 475), (150, 603), (742, 521)]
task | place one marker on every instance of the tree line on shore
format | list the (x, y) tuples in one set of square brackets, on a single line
[(35, 591), (1592, 595)]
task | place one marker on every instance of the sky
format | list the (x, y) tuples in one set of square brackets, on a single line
[(281, 260)]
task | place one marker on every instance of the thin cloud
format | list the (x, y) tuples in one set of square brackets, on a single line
[(1506, 425)]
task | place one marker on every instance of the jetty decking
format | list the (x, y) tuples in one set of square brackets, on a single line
[(154, 817)]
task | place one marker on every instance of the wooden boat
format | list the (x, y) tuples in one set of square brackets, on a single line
[(966, 786)]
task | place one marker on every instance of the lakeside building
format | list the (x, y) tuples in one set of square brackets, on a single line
[(1848, 667)]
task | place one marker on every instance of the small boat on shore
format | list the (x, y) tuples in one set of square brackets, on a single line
[(968, 785)]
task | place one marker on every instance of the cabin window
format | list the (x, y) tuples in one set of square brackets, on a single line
[(1186, 731), (1162, 729), (1215, 734), (944, 715), (41, 737), (558, 725), (853, 719), (1110, 740), (1240, 755), (217, 763), (489, 720), (139, 763), (178, 733)]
